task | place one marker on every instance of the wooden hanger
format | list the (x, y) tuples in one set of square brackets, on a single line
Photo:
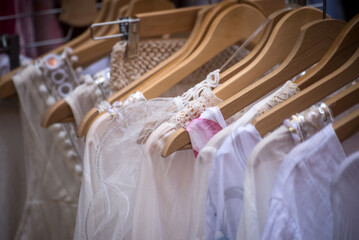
[(339, 53), (344, 100), (7, 88), (347, 126), (109, 12), (282, 44), (154, 73), (89, 51), (219, 36), (273, 19), (192, 42), (314, 93), (78, 13), (157, 23), (190, 45), (268, 7), (102, 48), (142, 6)]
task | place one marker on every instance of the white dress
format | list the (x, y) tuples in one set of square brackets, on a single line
[(202, 165), (163, 206), (264, 162), (300, 206), (344, 195), (53, 167), (113, 156), (225, 192)]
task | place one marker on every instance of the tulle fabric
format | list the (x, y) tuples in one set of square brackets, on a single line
[(344, 199), (114, 148), (113, 157), (163, 203)]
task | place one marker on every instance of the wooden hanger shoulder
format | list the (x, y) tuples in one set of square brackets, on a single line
[(344, 100), (142, 6), (340, 51), (220, 36), (252, 93), (312, 94), (304, 54), (275, 51), (58, 112), (192, 42), (347, 126), (268, 6), (89, 118), (236, 68)]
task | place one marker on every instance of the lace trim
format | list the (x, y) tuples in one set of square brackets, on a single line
[(103, 106), (211, 82), (195, 108), (114, 110), (288, 90), (305, 124)]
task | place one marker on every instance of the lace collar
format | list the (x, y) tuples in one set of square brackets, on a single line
[(198, 97)]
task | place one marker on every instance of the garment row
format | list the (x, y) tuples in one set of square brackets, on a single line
[(232, 182), (55, 155)]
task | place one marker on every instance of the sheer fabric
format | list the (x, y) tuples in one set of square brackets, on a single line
[(53, 170), (203, 128), (113, 157), (300, 205), (202, 165), (87, 95), (225, 193), (344, 197), (162, 207), (265, 160)]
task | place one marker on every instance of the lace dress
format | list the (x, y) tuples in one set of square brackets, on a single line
[(52, 164), (113, 157)]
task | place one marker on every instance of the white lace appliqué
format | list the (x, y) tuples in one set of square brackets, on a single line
[(289, 89), (197, 99), (194, 109), (307, 123), (211, 82), (114, 110)]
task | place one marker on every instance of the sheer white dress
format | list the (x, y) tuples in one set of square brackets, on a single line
[(113, 156), (52, 165)]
